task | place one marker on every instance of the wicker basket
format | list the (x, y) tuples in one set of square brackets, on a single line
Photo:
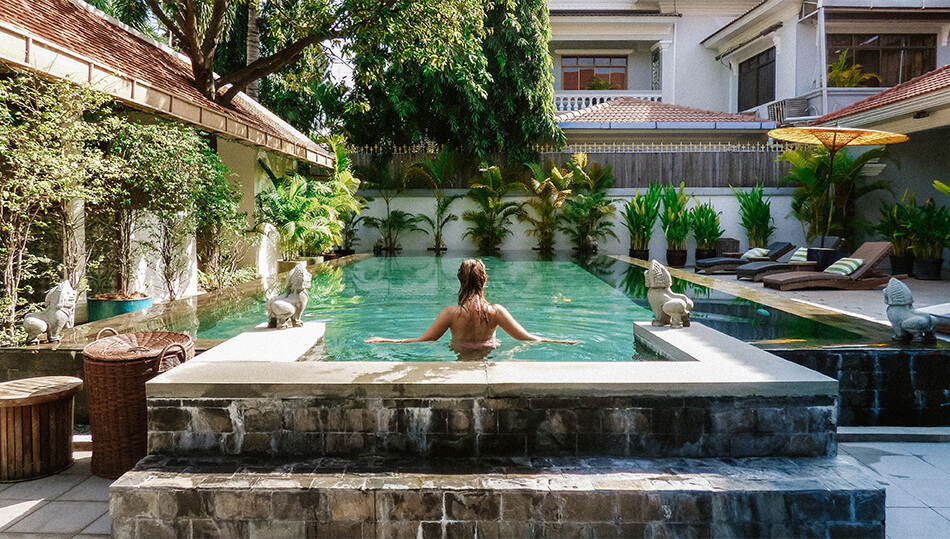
[(116, 371)]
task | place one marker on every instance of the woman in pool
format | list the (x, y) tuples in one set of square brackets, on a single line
[(474, 321)]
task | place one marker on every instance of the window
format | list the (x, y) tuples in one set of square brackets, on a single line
[(896, 58), (757, 80), (579, 72)]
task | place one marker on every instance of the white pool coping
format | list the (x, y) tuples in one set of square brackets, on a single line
[(709, 364)]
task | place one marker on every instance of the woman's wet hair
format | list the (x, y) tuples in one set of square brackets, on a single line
[(472, 278)]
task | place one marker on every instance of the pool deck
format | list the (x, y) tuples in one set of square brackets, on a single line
[(74, 503)]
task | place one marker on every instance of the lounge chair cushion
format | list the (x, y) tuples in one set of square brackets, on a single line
[(845, 266), (755, 252), (801, 255)]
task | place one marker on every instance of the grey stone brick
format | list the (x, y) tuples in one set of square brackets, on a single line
[(406, 505), (168, 419), (273, 529), (350, 505), (240, 504), (472, 506), (300, 504)]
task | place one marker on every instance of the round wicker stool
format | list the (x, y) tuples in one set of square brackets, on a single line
[(116, 371), (36, 426)]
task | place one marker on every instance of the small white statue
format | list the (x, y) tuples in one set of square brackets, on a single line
[(669, 308), (60, 313), (284, 311), (908, 323)]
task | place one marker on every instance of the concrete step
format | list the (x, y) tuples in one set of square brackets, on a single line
[(751, 497), (894, 434)]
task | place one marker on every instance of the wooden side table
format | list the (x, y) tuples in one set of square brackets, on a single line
[(36, 426), (804, 265)]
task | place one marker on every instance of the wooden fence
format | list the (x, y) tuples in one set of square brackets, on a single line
[(634, 166)]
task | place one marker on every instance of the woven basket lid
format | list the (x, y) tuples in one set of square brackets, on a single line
[(136, 346)]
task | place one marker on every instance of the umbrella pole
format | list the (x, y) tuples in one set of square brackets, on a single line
[(831, 203)]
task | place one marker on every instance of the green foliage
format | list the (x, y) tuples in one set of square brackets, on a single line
[(437, 173), (674, 219), (349, 216), (842, 75), (547, 191), (930, 230), (378, 176), (704, 221), (598, 83), (306, 213), (755, 211), (46, 150), (942, 187), (895, 223), (490, 225), (640, 216), (588, 215), (493, 93), (826, 205)]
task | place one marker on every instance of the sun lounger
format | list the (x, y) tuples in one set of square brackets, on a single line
[(862, 278), (721, 264), (756, 271)]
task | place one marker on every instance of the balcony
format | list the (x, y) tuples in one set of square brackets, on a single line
[(568, 100), (809, 106)]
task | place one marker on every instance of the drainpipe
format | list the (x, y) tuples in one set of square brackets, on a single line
[(823, 58)]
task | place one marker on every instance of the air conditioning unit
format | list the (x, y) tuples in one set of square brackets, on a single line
[(787, 108)]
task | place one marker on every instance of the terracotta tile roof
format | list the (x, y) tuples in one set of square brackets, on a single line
[(937, 79), (87, 33), (632, 113)]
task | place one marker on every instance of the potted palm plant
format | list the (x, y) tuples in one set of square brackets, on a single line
[(437, 173), (490, 225), (639, 216), (755, 213), (674, 219), (930, 230), (895, 227), (704, 221), (587, 217), (548, 193), (395, 222)]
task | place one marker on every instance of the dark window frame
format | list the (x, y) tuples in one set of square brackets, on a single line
[(869, 49), (756, 85)]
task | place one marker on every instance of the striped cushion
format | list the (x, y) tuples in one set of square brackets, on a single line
[(755, 252), (801, 255), (845, 266)]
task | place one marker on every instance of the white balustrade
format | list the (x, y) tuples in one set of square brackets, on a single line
[(568, 100)]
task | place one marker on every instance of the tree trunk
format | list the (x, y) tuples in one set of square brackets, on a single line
[(253, 45)]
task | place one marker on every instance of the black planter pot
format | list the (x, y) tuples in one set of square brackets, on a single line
[(676, 258), (902, 264), (642, 254), (822, 256), (344, 252), (705, 253), (928, 269)]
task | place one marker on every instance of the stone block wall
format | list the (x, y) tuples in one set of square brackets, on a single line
[(909, 387), (640, 498), (489, 427)]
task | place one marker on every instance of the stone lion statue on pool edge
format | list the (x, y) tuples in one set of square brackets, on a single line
[(669, 308), (908, 323), (284, 311)]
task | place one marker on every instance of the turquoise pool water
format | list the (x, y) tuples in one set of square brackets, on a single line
[(401, 296)]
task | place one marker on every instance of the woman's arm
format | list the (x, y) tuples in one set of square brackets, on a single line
[(434, 333), (511, 326)]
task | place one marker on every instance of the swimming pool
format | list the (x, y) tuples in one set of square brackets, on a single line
[(401, 296)]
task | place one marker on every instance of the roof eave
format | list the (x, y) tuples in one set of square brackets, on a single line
[(22, 51), (893, 112)]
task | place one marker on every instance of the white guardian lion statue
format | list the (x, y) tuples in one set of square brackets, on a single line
[(284, 311), (907, 322), (58, 315), (669, 308)]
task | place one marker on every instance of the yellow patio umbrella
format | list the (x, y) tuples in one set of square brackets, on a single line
[(835, 138)]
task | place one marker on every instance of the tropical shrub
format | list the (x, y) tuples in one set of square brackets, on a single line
[(704, 222), (895, 224), (587, 216), (640, 215), (395, 222), (826, 205), (674, 218), (547, 191), (490, 225), (755, 213), (842, 75), (437, 173), (930, 230)]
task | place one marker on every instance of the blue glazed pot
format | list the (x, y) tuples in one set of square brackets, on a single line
[(100, 309)]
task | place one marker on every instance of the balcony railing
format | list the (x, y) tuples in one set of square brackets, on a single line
[(568, 100), (809, 105)]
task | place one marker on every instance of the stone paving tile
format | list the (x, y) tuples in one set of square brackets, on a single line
[(13, 510), (102, 526), (916, 523), (47, 488), (93, 489), (61, 517)]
